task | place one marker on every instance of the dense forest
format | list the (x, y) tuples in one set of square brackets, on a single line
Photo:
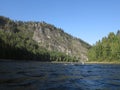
[(36, 41), (107, 49)]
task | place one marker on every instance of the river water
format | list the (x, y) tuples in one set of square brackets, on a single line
[(34, 75)]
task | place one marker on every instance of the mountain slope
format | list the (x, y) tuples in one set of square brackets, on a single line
[(42, 36)]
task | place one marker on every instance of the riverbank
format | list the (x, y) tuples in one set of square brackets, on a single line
[(102, 62), (61, 62)]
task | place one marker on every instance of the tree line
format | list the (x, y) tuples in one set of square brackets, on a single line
[(107, 49)]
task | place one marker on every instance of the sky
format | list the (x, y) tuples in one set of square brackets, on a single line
[(89, 20)]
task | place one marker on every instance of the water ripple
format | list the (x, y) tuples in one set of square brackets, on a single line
[(58, 76)]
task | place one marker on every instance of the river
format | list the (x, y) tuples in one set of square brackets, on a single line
[(34, 75)]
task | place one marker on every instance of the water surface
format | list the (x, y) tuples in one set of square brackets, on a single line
[(34, 75)]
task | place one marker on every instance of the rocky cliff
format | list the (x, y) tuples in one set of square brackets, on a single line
[(53, 38), (49, 37)]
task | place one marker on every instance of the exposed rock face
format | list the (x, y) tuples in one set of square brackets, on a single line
[(56, 39), (48, 36)]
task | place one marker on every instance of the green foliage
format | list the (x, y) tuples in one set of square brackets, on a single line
[(17, 43), (108, 49)]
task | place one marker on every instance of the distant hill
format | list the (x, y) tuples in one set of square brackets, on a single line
[(39, 41)]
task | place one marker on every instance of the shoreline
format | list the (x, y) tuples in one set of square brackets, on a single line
[(61, 62), (102, 62)]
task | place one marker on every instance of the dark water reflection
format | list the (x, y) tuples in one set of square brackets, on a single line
[(58, 76)]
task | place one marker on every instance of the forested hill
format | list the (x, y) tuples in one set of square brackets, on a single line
[(39, 41), (106, 50)]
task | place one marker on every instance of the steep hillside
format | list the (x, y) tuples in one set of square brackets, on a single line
[(38, 36), (52, 38)]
